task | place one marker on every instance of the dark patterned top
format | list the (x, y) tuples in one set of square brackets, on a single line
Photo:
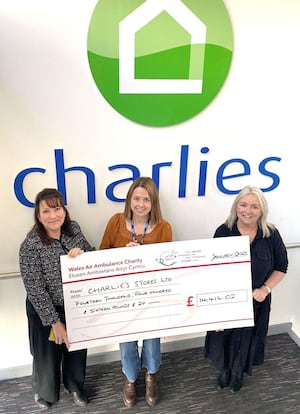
[(41, 272)]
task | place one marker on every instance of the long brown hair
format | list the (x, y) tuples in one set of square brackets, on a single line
[(53, 198), (148, 184)]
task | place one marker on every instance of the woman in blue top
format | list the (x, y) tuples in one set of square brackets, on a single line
[(235, 351)]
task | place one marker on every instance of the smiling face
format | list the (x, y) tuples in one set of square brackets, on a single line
[(140, 203), (52, 218), (248, 210)]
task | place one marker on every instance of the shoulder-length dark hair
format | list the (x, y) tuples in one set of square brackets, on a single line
[(53, 198), (148, 184)]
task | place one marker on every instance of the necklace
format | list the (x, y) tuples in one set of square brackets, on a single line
[(133, 232)]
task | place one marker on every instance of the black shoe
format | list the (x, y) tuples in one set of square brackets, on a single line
[(41, 402), (223, 379), (236, 385), (80, 398)]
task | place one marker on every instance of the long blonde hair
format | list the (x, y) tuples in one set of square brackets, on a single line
[(266, 227)]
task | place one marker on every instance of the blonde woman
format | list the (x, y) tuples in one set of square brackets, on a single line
[(235, 351)]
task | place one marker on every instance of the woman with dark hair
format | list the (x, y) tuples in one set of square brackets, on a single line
[(140, 223), (235, 351), (53, 235)]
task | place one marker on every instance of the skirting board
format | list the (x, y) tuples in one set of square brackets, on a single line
[(102, 358)]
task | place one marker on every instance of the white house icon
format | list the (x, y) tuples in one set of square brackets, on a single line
[(134, 22)]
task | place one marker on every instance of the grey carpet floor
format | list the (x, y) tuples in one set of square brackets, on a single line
[(187, 385)]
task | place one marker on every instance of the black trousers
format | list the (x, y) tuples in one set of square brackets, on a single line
[(50, 360)]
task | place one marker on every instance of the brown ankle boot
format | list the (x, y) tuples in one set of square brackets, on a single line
[(129, 395), (152, 395)]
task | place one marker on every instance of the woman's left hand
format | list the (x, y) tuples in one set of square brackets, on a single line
[(75, 251), (132, 244), (60, 334), (260, 294)]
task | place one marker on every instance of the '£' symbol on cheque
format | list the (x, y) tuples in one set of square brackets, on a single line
[(190, 301)]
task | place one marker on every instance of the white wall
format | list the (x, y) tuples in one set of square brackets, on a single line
[(291, 300), (49, 101)]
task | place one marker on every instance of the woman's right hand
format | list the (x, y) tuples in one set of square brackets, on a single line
[(60, 334)]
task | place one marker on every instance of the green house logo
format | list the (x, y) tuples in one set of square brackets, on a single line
[(159, 62)]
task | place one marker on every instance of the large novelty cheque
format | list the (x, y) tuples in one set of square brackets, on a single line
[(155, 290)]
